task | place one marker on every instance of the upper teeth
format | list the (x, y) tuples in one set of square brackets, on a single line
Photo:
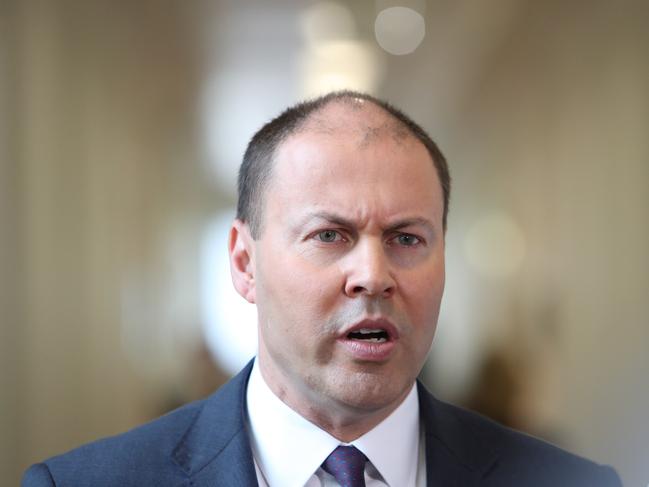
[(369, 330)]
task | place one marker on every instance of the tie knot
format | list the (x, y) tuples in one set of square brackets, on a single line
[(347, 465)]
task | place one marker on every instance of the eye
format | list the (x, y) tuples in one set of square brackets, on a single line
[(407, 240), (328, 236)]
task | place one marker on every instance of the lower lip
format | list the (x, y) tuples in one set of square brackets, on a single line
[(368, 351)]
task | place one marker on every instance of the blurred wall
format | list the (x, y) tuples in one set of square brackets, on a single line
[(98, 199), (553, 132), (541, 108)]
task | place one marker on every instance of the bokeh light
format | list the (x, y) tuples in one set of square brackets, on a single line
[(399, 30), (334, 57), (495, 245)]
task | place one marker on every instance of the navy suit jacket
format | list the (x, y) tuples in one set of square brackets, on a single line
[(205, 444)]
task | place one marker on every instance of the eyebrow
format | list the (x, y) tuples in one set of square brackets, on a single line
[(398, 225)]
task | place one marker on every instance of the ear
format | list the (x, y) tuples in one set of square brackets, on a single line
[(242, 264)]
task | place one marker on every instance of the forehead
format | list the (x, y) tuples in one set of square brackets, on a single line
[(352, 135), (357, 159)]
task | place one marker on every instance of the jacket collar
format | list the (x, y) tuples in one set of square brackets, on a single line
[(215, 450)]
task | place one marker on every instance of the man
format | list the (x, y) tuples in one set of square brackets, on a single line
[(339, 241)]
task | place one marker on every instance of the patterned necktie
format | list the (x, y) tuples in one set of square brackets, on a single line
[(347, 465)]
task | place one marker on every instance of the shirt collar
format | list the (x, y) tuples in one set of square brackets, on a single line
[(393, 445), (289, 449)]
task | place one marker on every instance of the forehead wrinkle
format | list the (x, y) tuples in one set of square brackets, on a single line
[(359, 221), (327, 216)]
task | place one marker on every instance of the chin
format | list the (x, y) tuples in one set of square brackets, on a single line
[(369, 392)]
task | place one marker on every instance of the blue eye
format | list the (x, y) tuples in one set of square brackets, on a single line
[(407, 240), (328, 236)]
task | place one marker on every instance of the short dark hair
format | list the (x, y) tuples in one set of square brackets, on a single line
[(256, 168)]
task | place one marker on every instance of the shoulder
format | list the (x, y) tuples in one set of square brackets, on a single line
[(156, 453), (146, 450), (505, 456)]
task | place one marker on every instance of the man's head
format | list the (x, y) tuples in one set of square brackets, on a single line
[(259, 157), (345, 262)]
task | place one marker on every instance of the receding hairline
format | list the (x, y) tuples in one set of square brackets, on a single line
[(380, 123), (373, 121)]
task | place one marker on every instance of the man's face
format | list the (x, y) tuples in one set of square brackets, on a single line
[(348, 271)]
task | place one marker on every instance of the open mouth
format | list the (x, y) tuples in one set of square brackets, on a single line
[(371, 340), (374, 335)]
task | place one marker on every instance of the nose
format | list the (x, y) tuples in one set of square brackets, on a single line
[(368, 271)]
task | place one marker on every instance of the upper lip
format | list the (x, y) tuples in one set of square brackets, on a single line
[(373, 324)]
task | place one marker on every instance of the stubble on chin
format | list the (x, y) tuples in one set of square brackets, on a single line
[(360, 388)]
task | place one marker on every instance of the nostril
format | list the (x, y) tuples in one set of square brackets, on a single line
[(358, 289)]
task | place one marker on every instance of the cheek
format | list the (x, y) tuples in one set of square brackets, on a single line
[(434, 280), (295, 299), (422, 293), (298, 283)]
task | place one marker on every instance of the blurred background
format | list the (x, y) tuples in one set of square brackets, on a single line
[(122, 125)]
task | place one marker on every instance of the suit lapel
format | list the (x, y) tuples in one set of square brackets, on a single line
[(455, 454), (215, 450), (232, 466)]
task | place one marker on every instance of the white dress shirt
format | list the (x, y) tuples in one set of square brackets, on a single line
[(288, 449)]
